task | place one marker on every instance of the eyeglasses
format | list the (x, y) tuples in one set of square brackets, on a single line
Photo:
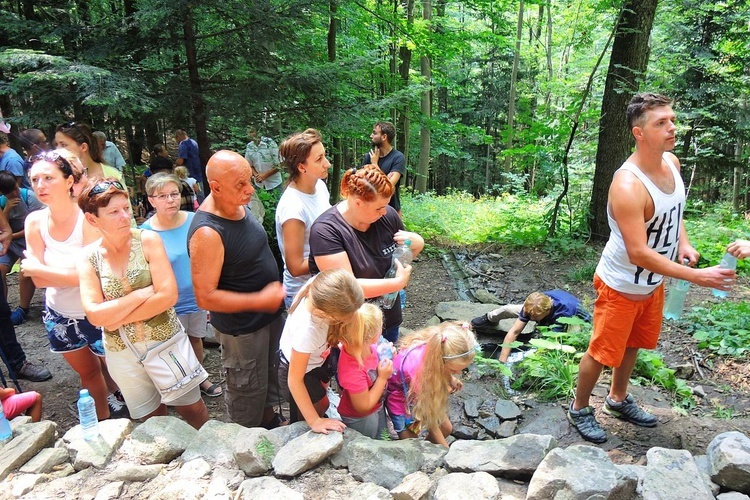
[(102, 186), (70, 125), (163, 197), (53, 157)]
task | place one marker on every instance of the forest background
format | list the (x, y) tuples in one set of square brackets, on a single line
[(494, 98)]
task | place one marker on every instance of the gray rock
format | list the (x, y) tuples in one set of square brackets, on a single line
[(507, 429), (218, 489), (580, 472), (507, 410), (732, 495), (159, 440), (124, 471), (255, 449), (516, 457), (24, 483), (471, 407), (305, 452), (684, 371), (110, 491), (97, 452), (19, 421), (371, 491), (485, 297), (433, 454), (465, 432), (195, 469), (552, 421), (266, 487), (477, 486), (214, 442), (45, 461), (384, 463), (25, 445), (286, 433), (701, 461), (673, 474), (340, 459), (414, 487), (699, 391), (433, 321), (729, 461), (490, 424)]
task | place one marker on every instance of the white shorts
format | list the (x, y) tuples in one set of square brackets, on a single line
[(194, 324), (140, 394)]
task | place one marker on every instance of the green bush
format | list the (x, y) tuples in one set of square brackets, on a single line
[(711, 229), (722, 327)]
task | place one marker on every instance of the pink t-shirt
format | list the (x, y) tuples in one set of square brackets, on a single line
[(408, 362), (354, 379)]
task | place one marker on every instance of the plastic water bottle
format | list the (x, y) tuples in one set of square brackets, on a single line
[(6, 434), (87, 416), (402, 296), (403, 254), (729, 261), (675, 303), (384, 349)]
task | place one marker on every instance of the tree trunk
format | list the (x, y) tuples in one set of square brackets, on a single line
[(426, 108), (200, 116), (512, 97), (737, 178), (627, 65), (337, 149), (404, 120)]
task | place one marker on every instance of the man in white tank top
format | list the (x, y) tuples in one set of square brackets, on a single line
[(647, 240)]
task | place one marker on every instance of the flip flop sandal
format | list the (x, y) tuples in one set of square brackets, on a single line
[(214, 391)]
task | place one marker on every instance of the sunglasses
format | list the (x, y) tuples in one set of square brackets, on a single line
[(102, 186), (71, 125), (53, 157)]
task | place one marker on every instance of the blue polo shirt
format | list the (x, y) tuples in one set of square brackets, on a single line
[(564, 305), (188, 151)]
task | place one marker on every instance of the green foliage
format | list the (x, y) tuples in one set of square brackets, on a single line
[(489, 365), (265, 449), (724, 412), (552, 370), (460, 219), (722, 327), (270, 199), (583, 273), (385, 435), (711, 229), (650, 368)]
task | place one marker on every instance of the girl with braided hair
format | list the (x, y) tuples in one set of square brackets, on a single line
[(359, 234)]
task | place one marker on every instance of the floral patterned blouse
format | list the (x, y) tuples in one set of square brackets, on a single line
[(161, 327)]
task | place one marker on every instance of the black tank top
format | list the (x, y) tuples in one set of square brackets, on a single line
[(248, 266)]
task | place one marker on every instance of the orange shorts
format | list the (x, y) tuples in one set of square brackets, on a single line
[(620, 323)]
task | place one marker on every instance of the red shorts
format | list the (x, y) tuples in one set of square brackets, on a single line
[(620, 323), (18, 403)]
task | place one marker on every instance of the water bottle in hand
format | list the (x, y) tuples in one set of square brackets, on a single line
[(675, 303), (729, 261), (87, 416), (403, 254), (384, 349), (6, 434)]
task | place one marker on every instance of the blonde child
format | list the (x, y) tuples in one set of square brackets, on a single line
[(360, 375), (319, 318), (424, 376)]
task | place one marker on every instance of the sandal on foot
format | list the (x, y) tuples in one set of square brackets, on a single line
[(213, 391)]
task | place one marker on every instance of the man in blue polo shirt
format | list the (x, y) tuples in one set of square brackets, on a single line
[(543, 308), (187, 155), (10, 160)]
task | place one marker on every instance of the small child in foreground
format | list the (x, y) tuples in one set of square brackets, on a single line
[(15, 404), (362, 378), (424, 375)]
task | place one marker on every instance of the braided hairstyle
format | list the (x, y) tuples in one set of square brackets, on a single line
[(368, 183)]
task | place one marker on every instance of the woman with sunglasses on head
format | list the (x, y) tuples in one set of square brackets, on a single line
[(128, 287), (360, 234), (172, 224), (55, 238), (78, 139)]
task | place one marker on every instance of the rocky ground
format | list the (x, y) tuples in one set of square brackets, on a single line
[(510, 276)]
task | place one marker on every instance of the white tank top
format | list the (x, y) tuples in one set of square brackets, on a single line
[(662, 232), (66, 300)]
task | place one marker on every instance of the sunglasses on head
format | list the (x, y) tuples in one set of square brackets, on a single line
[(54, 157), (102, 186), (70, 125)]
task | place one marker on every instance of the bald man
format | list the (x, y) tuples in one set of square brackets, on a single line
[(236, 278)]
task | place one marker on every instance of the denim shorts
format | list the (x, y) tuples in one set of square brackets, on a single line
[(69, 334)]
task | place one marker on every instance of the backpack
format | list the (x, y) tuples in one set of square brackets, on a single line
[(24, 197)]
